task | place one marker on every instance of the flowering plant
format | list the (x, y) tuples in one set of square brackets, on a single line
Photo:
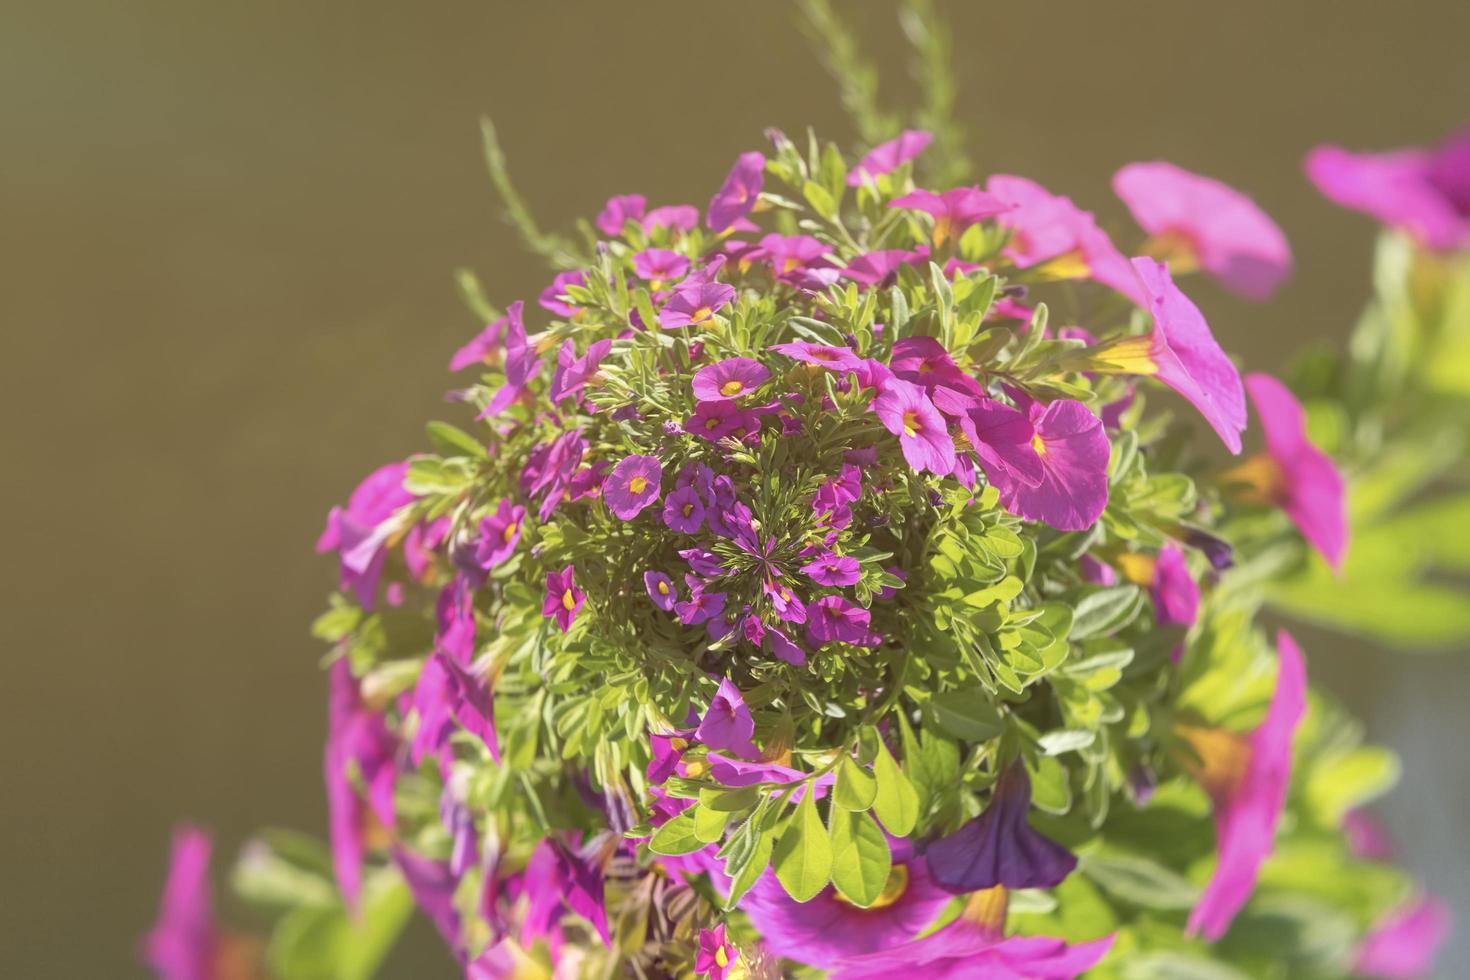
[(840, 579)]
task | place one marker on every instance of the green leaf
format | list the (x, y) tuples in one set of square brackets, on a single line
[(678, 836), (747, 871), (1103, 611), (896, 804), (820, 199), (449, 440), (861, 860), (856, 787), (802, 856), (729, 800), (709, 825), (1351, 780), (1139, 880), (967, 714)]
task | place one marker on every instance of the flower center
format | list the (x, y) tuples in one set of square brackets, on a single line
[(510, 531), (722, 957), (688, 509), (712, 423), (701, 314), (638, 484), (911, 422), (663, 588), (732, 387), (568, 601), (1038, 444), (824, 355)]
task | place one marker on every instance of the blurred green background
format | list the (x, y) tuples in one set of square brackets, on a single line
[(227, 242)]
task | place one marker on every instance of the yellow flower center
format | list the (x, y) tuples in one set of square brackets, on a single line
[(1220, 758), (663, 588), (510, 531), (712, 423), (568, 601), (722, 957), (688, 509), (701, 314), (824, 355), (1136, 568), (638, 484), (678, 744), (1176, 247), (911, 422), (1131, 355), (1038, 444), (732, 387), (1258, 481)]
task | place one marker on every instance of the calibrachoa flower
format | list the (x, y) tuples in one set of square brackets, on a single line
[(1072, 449), (692, 305), (522, 363), (660, 265), (563, 599), (731, 378), (1403, 945), (661, 590), (619, 211), (684, 511), (888, 157), (1198, 220), (877, 268), (499, 534), (907, 412), (738, 194), (634, 484), (675, 217), (184, 943), (834, 570), (1294, 474), (728, 725), (833, 618), (357, 739), (552, 297), (954, 210), (1247, 779), (831, 358), (359, 532), (573, 372), (715, 953)]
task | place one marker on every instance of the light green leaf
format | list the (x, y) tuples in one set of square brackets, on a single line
[(678, 836), (896, 804), (1139, 880), (969, 715), (856, 787), (802, 856), (861, 860)]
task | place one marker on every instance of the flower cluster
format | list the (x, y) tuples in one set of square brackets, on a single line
[(826, 579)]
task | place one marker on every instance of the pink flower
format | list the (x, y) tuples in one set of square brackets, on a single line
[(660, 265), (731, 378), (716, 420), (1005, 441), (552, 296), (954, 210), (877, 268), (618, 211), (692, 305), (1073, 451), (1403, 945), (499, 534), (1426, 192), (702, 605), (357, 738), (660, 589), (831, 358), (1175, 592), (787, 255), (1194, 218), (1182, 353), (965, 950), (1247, 779), (833, 618), (572, 372), (359, 532), (833, 570), (716, 953), (887, 157), (738, 194), (907, 412), (1046, 228), (924, 362), (684, 511), (633, 484), (679, 217), (563, 599), (184, 942), (522, 364), (786, 649), (1294, 474), (480, 349), (727, 724)]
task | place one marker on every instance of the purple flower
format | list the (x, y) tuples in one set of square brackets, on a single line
[(572, 372), (633, 484), (786, 605), (701, 606), (999, 847), (499, 534), (887, 157), (834, 618), (563, 599), (559, 879), (702, 562), (784, 648), (679, 217), (831, 358), (660, 265), (522, 364), (684, 511), (1073, 449), (660, 589), (481, 348), (728, 725), (907, 412), (1175, 592), (1293, 474), (1426, 192), (618, 211), (359, 533), (1196, 219), (737, 195), (692, 305), (1004, 440), (472, 701), (551, 297), (184, 943), (877, 268), (832, 569), (954, 210), (1403, 945), (356, 738), (787, 255), (731, 378), (829, 928), (432, 884), (716, 420), (550, 470), (1247, 779), (716, 953), (963, 950), (1182, 353)]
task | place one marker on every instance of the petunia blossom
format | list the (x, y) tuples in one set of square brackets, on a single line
[(660, 589), (833, 618), (572, 371), (618, 211), (1403, 944), (833, 570), (684, 511), (482, 347), (1198, 220), (357, 738), (499, 534), (1073, 452), (1425, 192), (716, 953), (184, 942), (738, 194), (1181, 352), (633, 485), (563, 599), (731, 378), (727, 724), (675, 217), (716, 420), (522, 364), (878, 268), (821, 355), (1293, 474), (692, 305), (787, 255), (660, 265), (954, 210), (554, 297), (999, 847), (701, 606), (1174, 591), (888, 157), (907, 412), (1247, 778), (359, 532)]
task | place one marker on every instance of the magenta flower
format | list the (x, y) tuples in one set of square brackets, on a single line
[(684, 511), (551, 469), (964, 950), (701, 606), (888, 157), (1196, 219), (1403, 945), (786, 649), (522, 364), (831, 503), (831, 358), (499, 534), (359, 532), (572, 372), (660, 589), (907, 412), (787, 255), (618, 211), (1247, 779), (716, 953), (356, 738), (954, 210), (563, 599), (1004, 440), (1426, 192), (1046, 228), (733, 377), (481, 348), (878, 268), (472, 701), (559, 880), (660, 265), (1293, 474), (692, 305), (184, 942), (833, 618), (1073, 451), (716, 420), (1174, 591), (999, 847), (554, 297), (1182, 353), (633, 484), (834, 570), (728, 725), (829, 928), (738, 194)]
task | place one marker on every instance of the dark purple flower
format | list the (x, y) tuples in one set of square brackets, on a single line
[(660, 589), (834, 618), (701, 606), (683, 511), (729, 379), (563, 599), (634, 484), (832, 569), (738, 194)]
